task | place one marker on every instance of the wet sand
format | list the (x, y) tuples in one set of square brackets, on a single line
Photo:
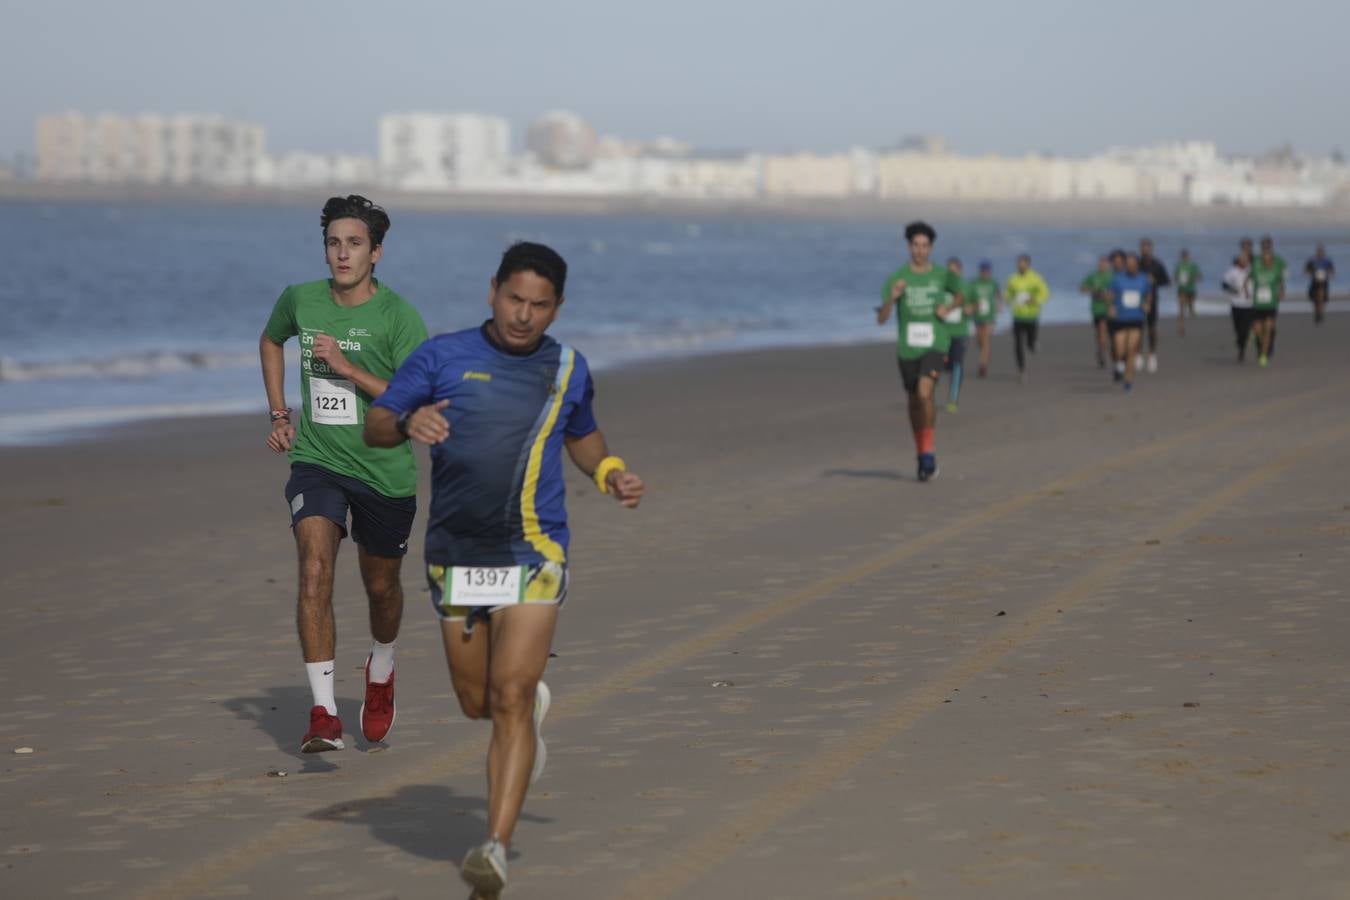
[(1102, 655)]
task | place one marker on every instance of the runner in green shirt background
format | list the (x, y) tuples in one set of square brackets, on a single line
[(957, 321), (1266, 280), (918, 290), (987, 298), (1281, 267), (1187, 277), (354, 333), (1096, 285)]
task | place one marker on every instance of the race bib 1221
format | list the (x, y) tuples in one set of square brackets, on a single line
[(332, 401)]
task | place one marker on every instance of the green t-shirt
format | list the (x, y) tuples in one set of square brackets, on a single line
[(984, 293), (1096, 285), (956, 320), (1187, 277), (1266, 282), (378, 336), (920, 330)]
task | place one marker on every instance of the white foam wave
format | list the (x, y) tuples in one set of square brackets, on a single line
[(129, 366)]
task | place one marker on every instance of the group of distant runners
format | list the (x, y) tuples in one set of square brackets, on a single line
[(499, 404), (936, 309)]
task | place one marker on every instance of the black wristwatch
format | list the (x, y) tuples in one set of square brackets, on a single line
[(401, 423)]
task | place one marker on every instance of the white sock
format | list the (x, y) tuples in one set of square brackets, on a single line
[(321, 685), (381, 661), (1120, 367)]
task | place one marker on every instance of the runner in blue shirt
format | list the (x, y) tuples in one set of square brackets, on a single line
[(498, 405), (1320, 271), (1131, 298)]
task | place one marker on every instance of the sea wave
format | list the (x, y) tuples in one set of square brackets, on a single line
[(129, 366)]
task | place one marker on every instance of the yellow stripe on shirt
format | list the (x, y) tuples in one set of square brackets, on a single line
[(550, 549)]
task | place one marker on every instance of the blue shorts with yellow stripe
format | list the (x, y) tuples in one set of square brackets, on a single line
[(545, 583)]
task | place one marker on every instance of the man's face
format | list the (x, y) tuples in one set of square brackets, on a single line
[(1104, 264), (1132, 265), (954, 267), (351, 258), (919, 248), (1118, 262), (1267, 246), (986, 272), (1145, 249), (1023, 264), (523, 307)]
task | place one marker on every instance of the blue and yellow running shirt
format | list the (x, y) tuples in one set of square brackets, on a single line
[(1128, 295), (497, 494)]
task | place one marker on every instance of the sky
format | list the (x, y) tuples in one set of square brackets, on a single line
[(991, 76)]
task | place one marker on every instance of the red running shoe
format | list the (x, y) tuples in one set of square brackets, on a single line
[(325, 732), (377, 713)]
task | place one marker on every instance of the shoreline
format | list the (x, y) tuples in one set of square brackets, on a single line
[(1064, 213), (67, 430)]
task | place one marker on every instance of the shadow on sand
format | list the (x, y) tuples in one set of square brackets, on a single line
[(283, 715), (427, 820)]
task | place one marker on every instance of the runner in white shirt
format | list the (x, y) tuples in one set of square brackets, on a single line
[(1238, 288)]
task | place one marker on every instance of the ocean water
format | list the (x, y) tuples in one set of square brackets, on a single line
[(121, 312)]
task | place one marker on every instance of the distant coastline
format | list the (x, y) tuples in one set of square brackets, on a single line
[(1066, 213)]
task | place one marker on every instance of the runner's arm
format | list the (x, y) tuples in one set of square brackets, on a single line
[(273, 359), (408, 408), (326, 348), (957, 298), (426, 425), (589, 451)]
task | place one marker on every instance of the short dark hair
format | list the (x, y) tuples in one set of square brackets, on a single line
[(525, 256), (1022, 256), (354, 206), (913, 229)]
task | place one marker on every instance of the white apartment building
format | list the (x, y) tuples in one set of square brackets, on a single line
[(809, 175), (1008, 179), (562, 140), (149, 149), (441, 151), (308, 170)]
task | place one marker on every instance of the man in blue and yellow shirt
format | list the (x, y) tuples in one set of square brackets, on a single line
[(498, 405)]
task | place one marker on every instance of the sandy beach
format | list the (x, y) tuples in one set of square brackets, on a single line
[(1103, 655)]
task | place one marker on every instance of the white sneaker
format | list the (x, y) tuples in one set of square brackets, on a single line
[(542, 700), (1138, 361), (1152, 363), (484, 868)]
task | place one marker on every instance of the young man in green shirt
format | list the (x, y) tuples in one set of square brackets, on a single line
[(1266, 282), (354, 333), (919, 291), (987, 300), (1280, 266), (1096, 285), (1187, 275)]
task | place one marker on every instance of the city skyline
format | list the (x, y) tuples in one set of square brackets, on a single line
[(1016, 81)]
